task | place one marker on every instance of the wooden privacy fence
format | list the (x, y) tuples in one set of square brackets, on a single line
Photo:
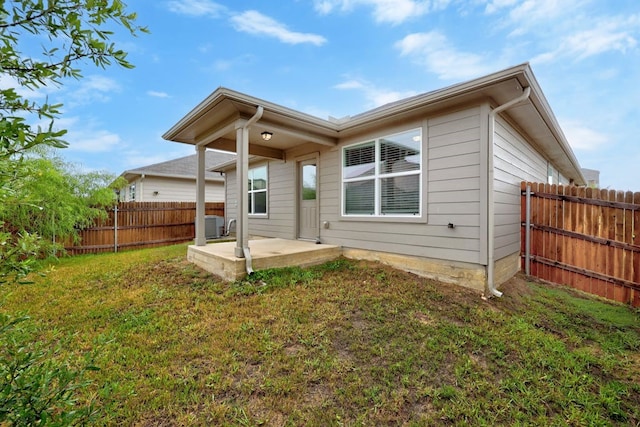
[(583, 237), (142, 225)]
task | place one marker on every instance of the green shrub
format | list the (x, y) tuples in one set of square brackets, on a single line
[(36, 386)]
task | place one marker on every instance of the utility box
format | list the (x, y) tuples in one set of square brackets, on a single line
[(213, 226)]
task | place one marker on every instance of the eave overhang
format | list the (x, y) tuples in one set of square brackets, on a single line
[(133, 175), (213, 122)]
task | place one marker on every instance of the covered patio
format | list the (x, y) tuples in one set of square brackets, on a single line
[(220, 258), (234, 122)]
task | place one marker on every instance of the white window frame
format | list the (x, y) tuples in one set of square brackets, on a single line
[(132, 192), (377, 178), (251, 206)]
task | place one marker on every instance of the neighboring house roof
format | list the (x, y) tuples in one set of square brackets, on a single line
[(214, 121), (183, 167)]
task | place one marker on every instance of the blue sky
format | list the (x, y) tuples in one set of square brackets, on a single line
[(343, 57)]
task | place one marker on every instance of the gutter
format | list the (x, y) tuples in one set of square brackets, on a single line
[(491, 232), (242, 240)]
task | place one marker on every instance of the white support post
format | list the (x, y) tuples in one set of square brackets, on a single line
[(242, 176), (201, 239)]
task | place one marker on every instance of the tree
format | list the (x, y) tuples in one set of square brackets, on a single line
[(35, 387), (56, 198), (70, 34)]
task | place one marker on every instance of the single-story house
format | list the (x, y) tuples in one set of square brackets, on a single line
[(430, 183), (175, 180)]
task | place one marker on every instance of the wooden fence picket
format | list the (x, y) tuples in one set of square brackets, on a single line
[(586, 238), (142, 225)]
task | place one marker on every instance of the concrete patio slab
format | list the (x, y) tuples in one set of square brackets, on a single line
[(220, 259)]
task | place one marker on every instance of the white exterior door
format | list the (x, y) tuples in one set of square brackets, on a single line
[(308, 202)]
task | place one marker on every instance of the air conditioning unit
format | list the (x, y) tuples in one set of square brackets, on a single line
[(213, 226)]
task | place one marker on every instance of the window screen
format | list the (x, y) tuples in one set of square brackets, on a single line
[(383, 177)]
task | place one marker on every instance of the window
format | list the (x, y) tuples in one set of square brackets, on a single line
[(552, 174), (258, 191), (383, 177), (132, 192)]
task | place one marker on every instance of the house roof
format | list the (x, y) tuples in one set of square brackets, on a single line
[(213, 122), (183, 167)]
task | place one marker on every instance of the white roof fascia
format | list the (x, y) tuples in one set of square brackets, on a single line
[(223, 93)]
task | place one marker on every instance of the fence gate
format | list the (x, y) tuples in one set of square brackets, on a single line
[(583, 237)]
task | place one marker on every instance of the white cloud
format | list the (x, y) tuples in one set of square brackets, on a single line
[(615, 34), (535, 15), (157, 94), (397, 11), (536, 19), (581, 137), (253, 22), (350, 84), (495, 5), (375, 96), (9, 82), (434, 51), (84, 136), (384, 11), (137, 158), (231, 63), (196, 8), (93, 89)]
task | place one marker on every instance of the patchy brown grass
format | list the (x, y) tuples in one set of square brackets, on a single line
[(345, 343)]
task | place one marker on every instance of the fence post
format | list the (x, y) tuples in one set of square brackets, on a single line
[(115, 228), (527, 232)]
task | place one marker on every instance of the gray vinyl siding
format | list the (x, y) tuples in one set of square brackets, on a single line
[(515, 160), (451, 193), (453, 176), (280, 220), (231, 199)]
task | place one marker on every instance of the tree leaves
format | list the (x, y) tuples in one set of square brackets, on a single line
[(42, 43)]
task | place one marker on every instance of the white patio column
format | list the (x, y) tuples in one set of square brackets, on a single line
[(201, 239), (242, 188)]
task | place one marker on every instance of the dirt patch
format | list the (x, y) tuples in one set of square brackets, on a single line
[(515, 293), (293, 349), (425, 319)]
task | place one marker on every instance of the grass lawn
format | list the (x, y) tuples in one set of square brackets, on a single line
[(345, 343)]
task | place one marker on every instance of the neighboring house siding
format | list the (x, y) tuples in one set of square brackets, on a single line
[(172, 190), (451, 173), (515, 160), (179, 190)]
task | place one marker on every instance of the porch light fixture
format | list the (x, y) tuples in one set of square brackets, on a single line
[(266, 135)]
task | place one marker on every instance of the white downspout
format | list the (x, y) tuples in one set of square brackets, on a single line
[(242, 173), (491, 232)]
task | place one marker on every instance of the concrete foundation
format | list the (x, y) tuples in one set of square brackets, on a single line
[(464, 274), (220, 259), (506, 268)]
